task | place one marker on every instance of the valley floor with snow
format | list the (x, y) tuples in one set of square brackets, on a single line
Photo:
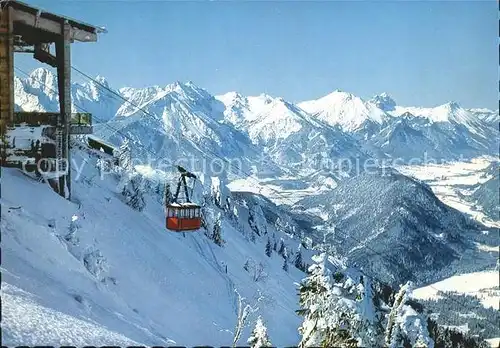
[(450, 182)]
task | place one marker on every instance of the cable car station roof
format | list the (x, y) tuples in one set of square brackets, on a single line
[(35, 26)]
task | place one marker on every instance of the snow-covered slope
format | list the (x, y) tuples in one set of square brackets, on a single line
[(486, 194), (405, 229), (94, 271), (98, 264)]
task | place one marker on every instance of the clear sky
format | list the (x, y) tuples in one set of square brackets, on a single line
[(421, 53)]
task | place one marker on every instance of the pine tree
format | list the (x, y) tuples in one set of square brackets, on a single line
[(216, 234), (299, 264), (329, 319), (399, 317), (246, 266), (124, 155), (71, 237), (282, 247), (259, 338), (313, 296), (134, 195), (285, 264), (169, 197), (102, 166), (269, 249)]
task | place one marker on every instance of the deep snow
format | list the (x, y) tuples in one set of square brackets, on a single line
[(170, 288)]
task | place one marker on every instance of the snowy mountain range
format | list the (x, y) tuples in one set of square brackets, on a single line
[(187, 119), (302, 145), (306, 143)]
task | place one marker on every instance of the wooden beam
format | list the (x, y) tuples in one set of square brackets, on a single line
[(35, 21), (63, 55), (6, 67), (42, 53), (37, 118), (52, 26)]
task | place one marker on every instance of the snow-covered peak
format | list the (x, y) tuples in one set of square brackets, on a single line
[(452, 106), (97, 89), (449, 112), (42, 74), (231, 98), (187, 90), (344, 109), (263, 117), (44, 80), (384, 102), (102, 81)]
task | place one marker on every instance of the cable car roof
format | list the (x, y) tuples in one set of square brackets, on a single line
[(184, 205)]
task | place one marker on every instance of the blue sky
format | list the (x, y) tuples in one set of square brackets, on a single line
[(421, 53)]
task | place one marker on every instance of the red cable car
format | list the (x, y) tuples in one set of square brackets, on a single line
[(182, 214)]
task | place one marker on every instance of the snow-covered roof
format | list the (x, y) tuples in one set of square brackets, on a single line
[(184, 205), (100, 140)]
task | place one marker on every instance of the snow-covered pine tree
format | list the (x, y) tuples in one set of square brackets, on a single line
[(102, 166), (405, 325), (217, 231), (313, 299), (95, 262), (285, 264), (124, 155), (282, 247), (298, 262), (133, 193), (71, 237), (269, 248), (169, 196), (330, 319), (259, 338)]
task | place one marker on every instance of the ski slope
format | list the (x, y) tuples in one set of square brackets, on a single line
[(153, 287)]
